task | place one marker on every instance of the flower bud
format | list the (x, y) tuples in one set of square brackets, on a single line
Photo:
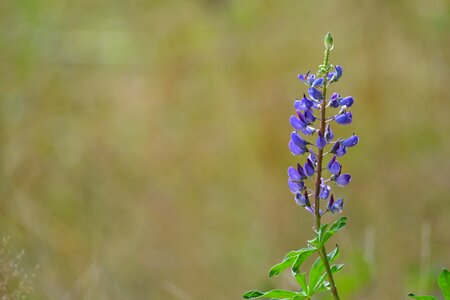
[(328, 41)]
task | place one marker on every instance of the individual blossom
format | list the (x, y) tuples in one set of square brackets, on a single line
[(335, 206), (343, 118), (309, 168), (302, 199), (351, 141), (297, 144), (324, 191), (334, 166), (321, 142), (343, 179)]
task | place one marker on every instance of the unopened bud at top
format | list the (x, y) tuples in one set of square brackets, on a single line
[(328, 41)]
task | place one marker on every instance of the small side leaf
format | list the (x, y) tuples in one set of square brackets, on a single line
[(335, 227), (278, 268), (336, 268), (444, 283), (301, 280), (422, 297), (276, 294), (303, 255)]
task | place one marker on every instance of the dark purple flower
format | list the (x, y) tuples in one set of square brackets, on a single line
[(309, 168), (312, 156), (302, 200), (296, 150), (338, 149), (315, 94), (343, 179), (334, 166), (328, 133), (335, 206), (318, 82), (334, 100), (308, 130), (295, 186), (296, 123), (298, 140), (308, 116), (320, 142), (347, 101), (304, 104), (334, 76), (344, 118), (295, 175), (351, 141), (324, 191)]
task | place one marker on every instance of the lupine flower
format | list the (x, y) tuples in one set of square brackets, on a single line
[(334, 166), (344, 118), (315, 94), (309, 168), (351, 141), (343, 180), (318, 82), (347, 101), (302, 200), (320, 143), (324, 191), (335, 206), (338, 149), (334, 100), (297, 144), (328, 134)]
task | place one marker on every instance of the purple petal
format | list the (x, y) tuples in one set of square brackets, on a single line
[(343, 180), (344, 118), (347, 101), (293, 174), (315, 94), (295, 187), (324, 191), (295, 150), (296, 123), (309, 168), (301, 200), (318, 82), (320, 142), (328, 133), (351, 141), (335, 168), (308, 130), (298, 140)]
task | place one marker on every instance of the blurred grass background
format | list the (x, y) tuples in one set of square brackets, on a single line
[(144, 143)]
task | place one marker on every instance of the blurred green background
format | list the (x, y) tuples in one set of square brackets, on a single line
[(144, 143)]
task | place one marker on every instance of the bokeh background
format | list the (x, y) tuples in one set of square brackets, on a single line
[(144, 143)]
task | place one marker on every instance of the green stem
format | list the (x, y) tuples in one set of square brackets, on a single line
[(322, 251)]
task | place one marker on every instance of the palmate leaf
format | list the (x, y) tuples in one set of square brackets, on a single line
[(273, 294), (444, 283)]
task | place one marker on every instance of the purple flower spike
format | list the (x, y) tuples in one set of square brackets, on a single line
[(296, 187), (315, 94), (347, 101), (328, 133), (334, 166), (335, 206), (309, 168), (351, 141), (343, 180), (320, 142), (324, 191), (344, 118), (296, 123)]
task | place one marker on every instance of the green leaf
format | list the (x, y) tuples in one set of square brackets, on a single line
[(286, 263), (320, 283), (444, 283), (299, 297), (316, 241), (277, 294), (335, 227), (301, 280), (303, 255), (422, 297), (317, 270), (336, 268)]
